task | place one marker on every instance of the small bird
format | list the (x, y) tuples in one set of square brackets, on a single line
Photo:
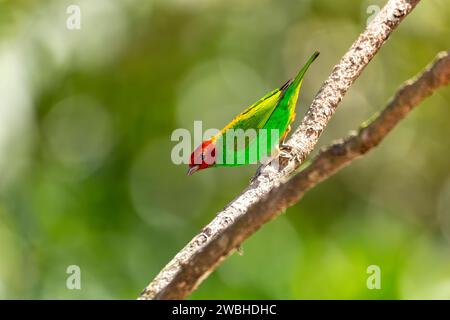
[(268, 121)]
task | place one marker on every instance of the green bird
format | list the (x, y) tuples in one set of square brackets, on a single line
[(256, 133)]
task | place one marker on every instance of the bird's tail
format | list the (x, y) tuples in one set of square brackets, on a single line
[(303, 70)]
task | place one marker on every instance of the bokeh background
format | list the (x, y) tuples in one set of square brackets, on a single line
[(86, 176)]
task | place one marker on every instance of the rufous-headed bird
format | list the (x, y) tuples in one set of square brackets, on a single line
[(272, 116)]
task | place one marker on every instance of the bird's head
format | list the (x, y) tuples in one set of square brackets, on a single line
[(203, 157)]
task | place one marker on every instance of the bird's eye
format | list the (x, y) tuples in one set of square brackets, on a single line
[(203, 156)]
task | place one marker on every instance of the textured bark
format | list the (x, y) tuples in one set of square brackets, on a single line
[(272, 190)]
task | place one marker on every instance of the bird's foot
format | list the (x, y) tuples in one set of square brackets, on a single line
[(280, 158), (287, 153)]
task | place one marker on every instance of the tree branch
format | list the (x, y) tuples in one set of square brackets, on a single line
[(342, 152), (272, 191)]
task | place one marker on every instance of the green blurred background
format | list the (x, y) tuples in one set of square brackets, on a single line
[(85, 171)]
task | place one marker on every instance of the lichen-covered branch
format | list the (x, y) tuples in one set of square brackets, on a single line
[(264, 198)]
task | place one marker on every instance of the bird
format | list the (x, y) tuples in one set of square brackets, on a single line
[(254, 135)]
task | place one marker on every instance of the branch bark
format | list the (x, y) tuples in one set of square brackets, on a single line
[(273, 191)]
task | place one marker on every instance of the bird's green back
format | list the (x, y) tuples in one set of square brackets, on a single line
[(256, 132)]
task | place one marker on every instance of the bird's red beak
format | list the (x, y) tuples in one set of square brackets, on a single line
[(192, 170)]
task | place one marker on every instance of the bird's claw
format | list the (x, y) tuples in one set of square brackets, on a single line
[(287, 153), (280, 159)]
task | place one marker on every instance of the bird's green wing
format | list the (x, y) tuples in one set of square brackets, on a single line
[(254, 118), (236, 139), (256, 115)]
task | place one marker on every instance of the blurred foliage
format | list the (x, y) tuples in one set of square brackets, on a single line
[(85, 170)]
